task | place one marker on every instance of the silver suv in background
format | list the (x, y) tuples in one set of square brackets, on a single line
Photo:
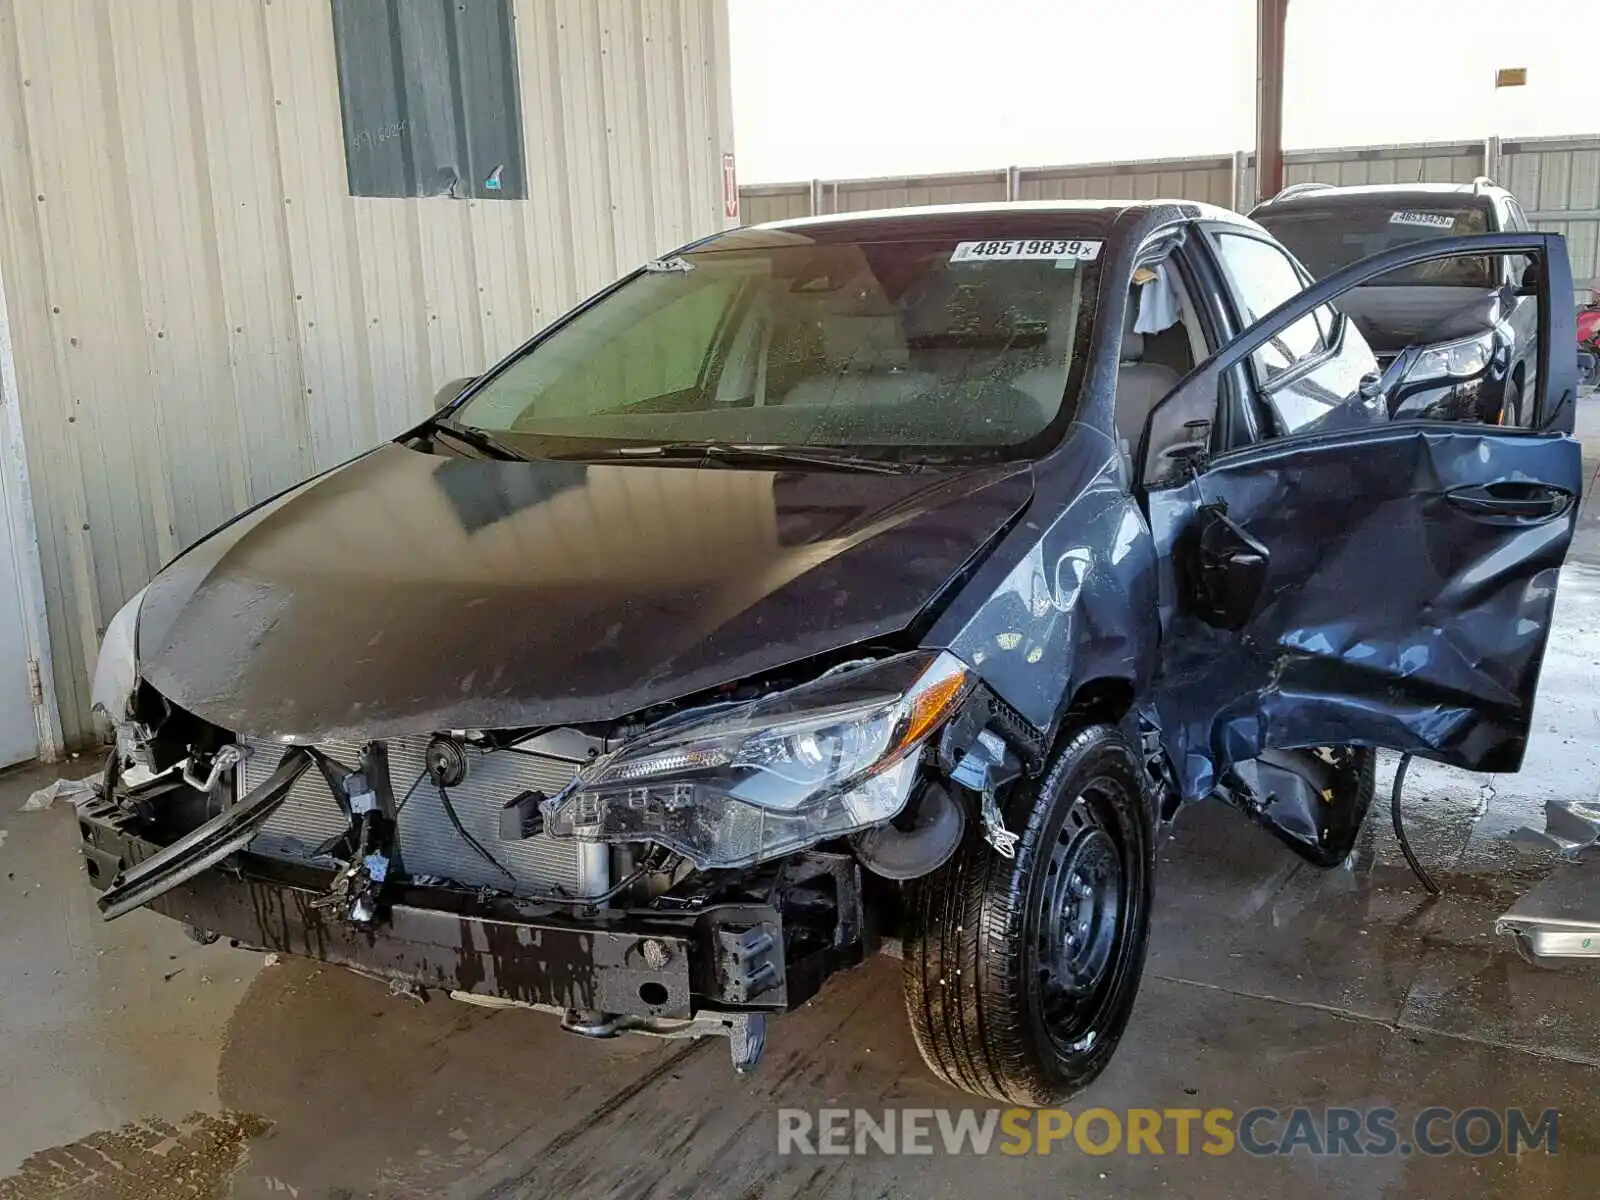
[(1475, 315)]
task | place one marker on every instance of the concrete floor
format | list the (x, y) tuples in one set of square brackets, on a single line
[(135, 1063)]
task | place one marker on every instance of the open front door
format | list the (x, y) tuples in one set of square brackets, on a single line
[(1363, 581)]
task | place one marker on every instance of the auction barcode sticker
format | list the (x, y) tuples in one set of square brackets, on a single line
[(1074, 250), (1431, 220)]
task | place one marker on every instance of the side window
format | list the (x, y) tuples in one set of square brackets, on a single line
[(1262, 277), (1517, 263)]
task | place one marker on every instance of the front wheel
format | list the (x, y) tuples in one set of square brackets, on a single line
[(1020, 974)]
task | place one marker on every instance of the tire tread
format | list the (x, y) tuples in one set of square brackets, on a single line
[(969, 1016)]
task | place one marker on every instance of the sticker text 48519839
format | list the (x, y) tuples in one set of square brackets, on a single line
[(1071, 250)]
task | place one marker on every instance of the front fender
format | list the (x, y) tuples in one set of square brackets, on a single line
[(1070, 596)]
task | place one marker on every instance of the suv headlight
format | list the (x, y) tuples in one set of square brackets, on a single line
[(753, 781), (1454, 360), (116, 671)]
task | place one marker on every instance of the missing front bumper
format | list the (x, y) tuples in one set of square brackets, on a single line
[(637, 963)]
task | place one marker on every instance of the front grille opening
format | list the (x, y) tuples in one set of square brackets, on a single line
[(430, 848)]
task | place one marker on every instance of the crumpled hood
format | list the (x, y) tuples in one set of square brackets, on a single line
[(407, 592), (1392, 318)]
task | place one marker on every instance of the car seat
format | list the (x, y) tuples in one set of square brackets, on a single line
[(1047, 384), (867, 359), (1140, 386)]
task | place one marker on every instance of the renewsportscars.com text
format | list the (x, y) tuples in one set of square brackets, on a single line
[(1257, 1131)]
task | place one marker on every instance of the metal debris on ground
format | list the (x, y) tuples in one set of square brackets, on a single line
[(1560, 917), (1570, 827), (406, 990), (74, 790)]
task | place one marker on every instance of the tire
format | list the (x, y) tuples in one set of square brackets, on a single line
[(986, 992)]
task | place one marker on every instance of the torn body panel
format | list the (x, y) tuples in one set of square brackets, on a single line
[(1406, 602)]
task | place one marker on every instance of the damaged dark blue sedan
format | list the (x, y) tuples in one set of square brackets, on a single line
[(858, 583)]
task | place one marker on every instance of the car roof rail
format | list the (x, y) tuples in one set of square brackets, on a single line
[(1482, 182), (1296, 189)]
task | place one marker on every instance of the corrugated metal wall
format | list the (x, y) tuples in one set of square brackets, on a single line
[(1426, 162), (1207, 179), (1556, 179), (200, 312), (1558, 182)]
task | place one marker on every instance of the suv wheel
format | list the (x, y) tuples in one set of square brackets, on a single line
[(1511, 406), (1020, 974)]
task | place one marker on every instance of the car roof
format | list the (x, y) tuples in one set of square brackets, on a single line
[(1097, 217), (1323, 194)]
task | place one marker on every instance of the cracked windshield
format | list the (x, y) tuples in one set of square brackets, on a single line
[(775, 338)]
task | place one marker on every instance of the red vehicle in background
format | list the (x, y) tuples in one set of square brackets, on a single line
[(1589, 325)]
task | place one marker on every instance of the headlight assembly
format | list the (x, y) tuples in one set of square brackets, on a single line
[(1454, 360), (752, 781), (116, 671)]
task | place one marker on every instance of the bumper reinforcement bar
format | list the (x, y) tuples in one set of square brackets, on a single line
[(206, 845)]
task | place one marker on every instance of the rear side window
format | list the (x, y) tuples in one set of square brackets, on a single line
[(1263, 277)]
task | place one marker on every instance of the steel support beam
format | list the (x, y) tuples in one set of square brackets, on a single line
[(1269, 96)]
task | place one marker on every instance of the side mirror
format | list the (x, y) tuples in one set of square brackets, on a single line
[(1586, 368), (1177, 433), (1228, 570), (1532, 279), (451, 390)]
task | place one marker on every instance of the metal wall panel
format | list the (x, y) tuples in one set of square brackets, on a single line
[(1558, 182), (200, 312), (859, 195), (1205, 179), (1556, 179), (774, 202)]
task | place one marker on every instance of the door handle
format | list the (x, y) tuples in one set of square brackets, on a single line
[(1511, 500)]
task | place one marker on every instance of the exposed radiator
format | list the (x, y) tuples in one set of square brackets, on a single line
[(429, 844)]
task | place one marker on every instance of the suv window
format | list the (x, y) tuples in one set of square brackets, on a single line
[(1262, 277), (1328, 234)]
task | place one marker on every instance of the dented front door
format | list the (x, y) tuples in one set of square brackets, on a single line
[(1405, 601), (1390, 585)]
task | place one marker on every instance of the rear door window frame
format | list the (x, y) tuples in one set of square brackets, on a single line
[(1333, 338), (1301, 366)]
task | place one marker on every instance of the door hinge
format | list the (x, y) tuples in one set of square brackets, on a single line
[(35, 683)]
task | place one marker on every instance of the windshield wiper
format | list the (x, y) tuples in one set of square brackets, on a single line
[(479, 440), (751, 452)]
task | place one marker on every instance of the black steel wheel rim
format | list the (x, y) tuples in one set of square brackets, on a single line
[(1080, 919)]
